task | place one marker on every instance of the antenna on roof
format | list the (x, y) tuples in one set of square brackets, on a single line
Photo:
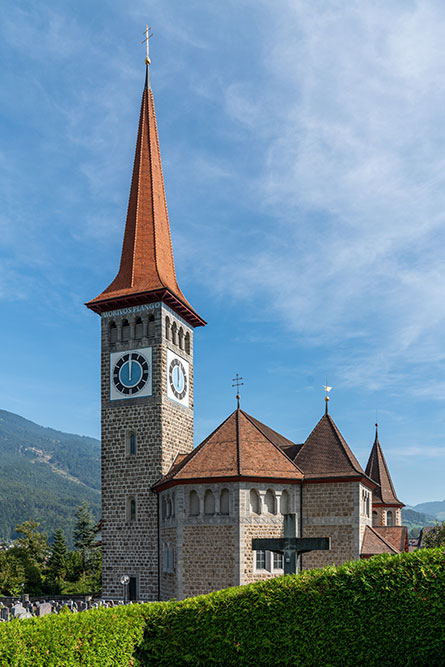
[(326, 392), (237, 383)]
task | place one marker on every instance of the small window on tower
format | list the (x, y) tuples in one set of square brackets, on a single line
[(132, 509), (131, 443), (389, 518), (181, 339), (187, 343), (113, 332), (125, 330), (138, 328), (374, 518), (151, 326), (174, 333)]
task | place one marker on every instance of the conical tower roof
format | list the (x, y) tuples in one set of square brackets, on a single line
[(237, 448), (147, 268), (377, 470), (326, 453)]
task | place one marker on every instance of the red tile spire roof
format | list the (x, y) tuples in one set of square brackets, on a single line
[(240, 447), (326, 453), (147, 269), (378, 471)]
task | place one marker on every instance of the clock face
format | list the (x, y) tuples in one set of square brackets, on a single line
[(131, 374), (177, 378)]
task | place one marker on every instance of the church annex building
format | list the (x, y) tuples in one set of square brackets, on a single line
[(180, 521)]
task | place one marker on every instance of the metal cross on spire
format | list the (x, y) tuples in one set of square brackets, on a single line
[(237, 383), (146, 41), (327, 389)]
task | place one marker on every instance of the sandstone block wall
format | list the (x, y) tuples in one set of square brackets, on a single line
[(332, 510)]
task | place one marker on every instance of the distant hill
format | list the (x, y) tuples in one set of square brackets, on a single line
[(414, 521), (45, 475), (436, 509)]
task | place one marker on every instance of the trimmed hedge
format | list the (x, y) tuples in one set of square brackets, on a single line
[(387, 611)]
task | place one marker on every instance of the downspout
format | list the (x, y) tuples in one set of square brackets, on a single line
[(301, 522), (159, 548)]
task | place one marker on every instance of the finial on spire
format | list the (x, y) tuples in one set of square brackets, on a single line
[(237, 383), (326, 397), (146, 41)]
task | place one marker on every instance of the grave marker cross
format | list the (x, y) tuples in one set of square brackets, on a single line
[(290, 545)]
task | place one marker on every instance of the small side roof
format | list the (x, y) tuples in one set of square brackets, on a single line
[(397, 536), (240, 447), (374, 544), (326, 453)]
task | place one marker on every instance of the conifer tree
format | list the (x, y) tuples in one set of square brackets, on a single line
[(57, 564), (84, 533)]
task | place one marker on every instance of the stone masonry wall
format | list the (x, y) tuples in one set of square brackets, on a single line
[(163, 429), (208, 558), (332, 510)]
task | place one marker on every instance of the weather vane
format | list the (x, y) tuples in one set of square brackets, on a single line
[(237, 383), (146, 41), (326, 391)]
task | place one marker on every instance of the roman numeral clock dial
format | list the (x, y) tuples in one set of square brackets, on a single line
[(131, 374)]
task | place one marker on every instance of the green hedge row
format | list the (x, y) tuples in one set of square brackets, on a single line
[(388, 611)]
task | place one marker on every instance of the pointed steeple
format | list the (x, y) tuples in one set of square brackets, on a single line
[(377, 470), (326, 453), (147, 268)]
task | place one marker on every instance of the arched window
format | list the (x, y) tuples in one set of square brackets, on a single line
[(132, 509), (151, 326), (224, 502), (138, 328), (367, 504), (125, 330), (181, 338), (255, 506), (168, 329), (193, 504), (209, 502), (174, 333), (284, 502), (187, 342), (374, 518), (113, 332), (389, 518), (269, 501)]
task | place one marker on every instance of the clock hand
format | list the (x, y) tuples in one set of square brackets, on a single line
[(129, 369)]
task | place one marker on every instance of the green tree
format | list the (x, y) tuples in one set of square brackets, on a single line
[(32, 544), (435, 537), (84, 534), (12, 573), (58, 561)]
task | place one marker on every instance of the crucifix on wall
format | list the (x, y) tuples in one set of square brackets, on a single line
[(290, 545)]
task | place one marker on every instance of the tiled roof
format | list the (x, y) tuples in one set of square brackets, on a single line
[(374, 544), (239, 447), (326, 454), (147, 263), (378, 471), (397, 536)]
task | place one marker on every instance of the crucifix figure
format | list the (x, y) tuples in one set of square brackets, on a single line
[(290, 545)]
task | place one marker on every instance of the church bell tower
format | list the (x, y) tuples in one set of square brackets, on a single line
[(146, 374)]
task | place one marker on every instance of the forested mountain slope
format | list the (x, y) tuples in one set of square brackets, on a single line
[(44, 475)]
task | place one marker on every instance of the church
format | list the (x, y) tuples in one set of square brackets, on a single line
[(179, 521)]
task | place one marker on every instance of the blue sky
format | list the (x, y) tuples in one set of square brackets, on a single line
[(303, 146)]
